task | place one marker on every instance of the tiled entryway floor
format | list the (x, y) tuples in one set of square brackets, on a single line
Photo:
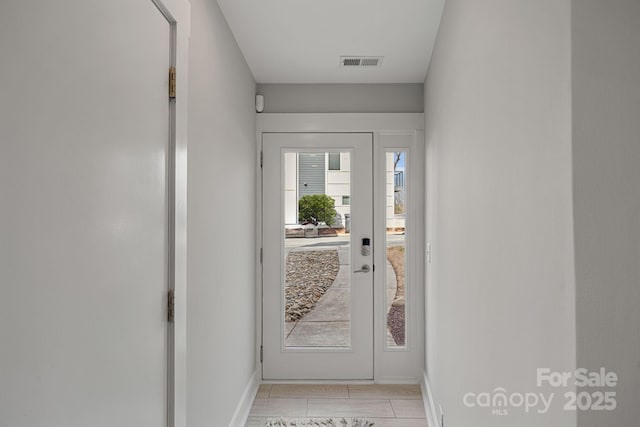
[(385, 405)]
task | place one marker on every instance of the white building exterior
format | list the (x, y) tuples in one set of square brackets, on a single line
[(334, 180)]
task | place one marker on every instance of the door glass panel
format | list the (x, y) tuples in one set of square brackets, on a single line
[(316, 284), (395, 277)]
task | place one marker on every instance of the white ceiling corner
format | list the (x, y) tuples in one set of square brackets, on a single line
[(301, 41)]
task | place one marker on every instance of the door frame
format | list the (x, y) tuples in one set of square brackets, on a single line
[(178, 15), (390, 365)]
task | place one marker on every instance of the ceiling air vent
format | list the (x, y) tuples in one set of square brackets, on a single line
[(351, 62), (360, 61)]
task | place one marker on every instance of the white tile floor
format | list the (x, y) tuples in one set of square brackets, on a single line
[(385, 405)]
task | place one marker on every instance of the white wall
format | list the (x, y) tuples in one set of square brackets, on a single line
[(606, 158), (221, 221), (342, 98), (501, 287)]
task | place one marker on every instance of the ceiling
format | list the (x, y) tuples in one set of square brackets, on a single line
[(301, 41)]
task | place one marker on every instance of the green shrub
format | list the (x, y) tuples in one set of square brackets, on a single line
[(317, 208)]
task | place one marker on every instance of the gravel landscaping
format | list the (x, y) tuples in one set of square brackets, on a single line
[(308, 276), (396, 315)]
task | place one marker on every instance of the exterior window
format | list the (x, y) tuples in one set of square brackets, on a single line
[(346, 200), (334, 161), (396, 249)]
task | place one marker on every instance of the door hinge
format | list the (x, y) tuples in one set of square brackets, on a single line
[(261, 354), (172, 82), (261, 159), (171, 306)]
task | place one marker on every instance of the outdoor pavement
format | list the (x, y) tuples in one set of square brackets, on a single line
[(327, 324)]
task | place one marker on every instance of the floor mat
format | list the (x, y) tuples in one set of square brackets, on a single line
[(318, 422)]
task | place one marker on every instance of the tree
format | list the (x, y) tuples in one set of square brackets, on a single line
[(396, 160), (317, 208)]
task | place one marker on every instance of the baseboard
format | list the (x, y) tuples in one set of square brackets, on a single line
[(241, 414), (429, 402), (397, 380)]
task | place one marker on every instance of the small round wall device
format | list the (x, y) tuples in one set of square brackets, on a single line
[(259, 103)]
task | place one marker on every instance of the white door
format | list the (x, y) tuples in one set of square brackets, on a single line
[(317, 279), (84, 152)]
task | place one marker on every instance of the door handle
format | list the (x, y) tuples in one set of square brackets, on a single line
[(364, 269)]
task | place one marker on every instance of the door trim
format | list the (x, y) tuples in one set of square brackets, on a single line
[(382, 125), (178, 15)]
